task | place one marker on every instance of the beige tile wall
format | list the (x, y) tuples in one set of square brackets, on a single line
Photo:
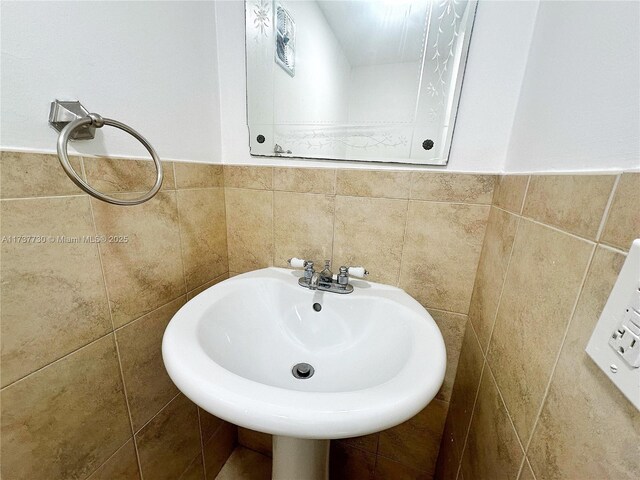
[(420, 231), (527, 401), (83, 385), (84, 390)]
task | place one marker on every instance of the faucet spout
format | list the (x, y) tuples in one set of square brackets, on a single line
[(314, 281)]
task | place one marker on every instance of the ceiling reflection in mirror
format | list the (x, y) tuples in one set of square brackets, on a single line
[(370, 80)]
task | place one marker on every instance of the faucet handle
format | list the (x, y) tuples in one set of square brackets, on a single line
[(309, 272), (343, 276), (298, 262), (358, 272)]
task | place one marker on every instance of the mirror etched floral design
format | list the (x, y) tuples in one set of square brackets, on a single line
[(371, 80), (262, 17)]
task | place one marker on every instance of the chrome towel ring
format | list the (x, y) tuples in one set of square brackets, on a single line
[(82, 128)]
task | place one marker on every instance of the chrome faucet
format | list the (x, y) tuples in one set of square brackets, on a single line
[(314, 281), (324, 280), (326, 275)]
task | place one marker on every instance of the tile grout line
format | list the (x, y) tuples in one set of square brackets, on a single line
[(386, 197), (404, 241), (524, 459), (504, 282), (358, 447), (333, 232), (193, 460), (101, 337), (513, 426), (130, 439), (377, 452), (226, 222), (136, 432), (126, 398), (564, 338), (520, 219), (258, 189), (459, 466), (215, 432), (90, 343), (505, 210), (67, 195), (559, 230), (477, 269), (332, 195), (496, 188), (226, 235), (182, 262), (82, 194), (43, 197), (607, 209), (613, 249), (208, 187), (200, 286), (484, 361), (467, 429), (527, 462), (387, 457), (446, 311), (552, 227), (549, 226), (445, 202), (457, 477), (135, 320), (524, 197), (204, 466), (412, 179), (375, 461), (273, 217), (273, 224), (484, 355), (113, 330)]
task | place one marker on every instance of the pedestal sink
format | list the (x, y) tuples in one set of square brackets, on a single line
[(376, 359)]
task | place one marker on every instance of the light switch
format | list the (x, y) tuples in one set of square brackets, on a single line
[(615, 343)]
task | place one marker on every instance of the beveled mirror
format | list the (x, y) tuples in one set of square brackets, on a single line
[(368, 80)]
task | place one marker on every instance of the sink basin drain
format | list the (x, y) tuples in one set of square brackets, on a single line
[(302, 370)]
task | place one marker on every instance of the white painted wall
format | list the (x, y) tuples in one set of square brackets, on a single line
[(497, 59), (579, 108), (384, 93), (495, 68), (151, 65), (321, 68)]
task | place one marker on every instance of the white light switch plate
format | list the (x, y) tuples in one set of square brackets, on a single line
[(613, 345)]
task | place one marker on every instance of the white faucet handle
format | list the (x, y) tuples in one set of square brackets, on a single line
[(297, 262), (358, 272)]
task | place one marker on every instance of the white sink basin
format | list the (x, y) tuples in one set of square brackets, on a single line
[(378, 356)]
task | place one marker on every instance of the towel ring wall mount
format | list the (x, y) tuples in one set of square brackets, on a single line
[(74, 122)]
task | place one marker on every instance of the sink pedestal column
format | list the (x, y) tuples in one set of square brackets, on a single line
[(296, 458)]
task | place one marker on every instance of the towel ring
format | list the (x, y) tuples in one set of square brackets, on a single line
[(95, 120)]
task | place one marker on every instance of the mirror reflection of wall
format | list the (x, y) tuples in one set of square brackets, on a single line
[(364, 87)]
